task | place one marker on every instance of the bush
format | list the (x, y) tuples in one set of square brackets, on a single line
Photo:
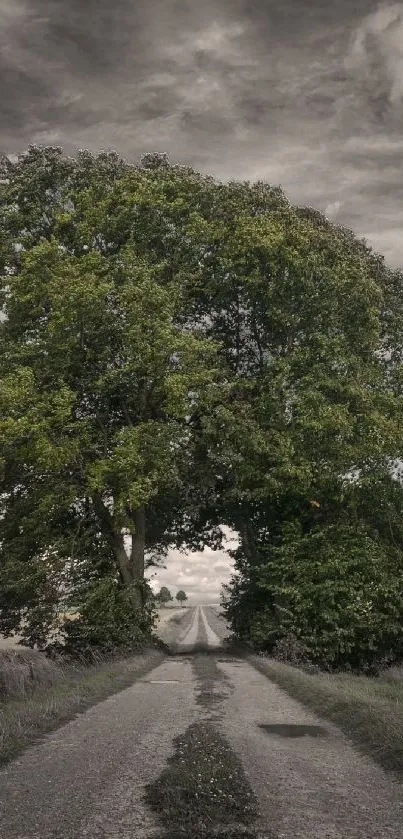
[(108, 623), (291, 651), (338, 591)]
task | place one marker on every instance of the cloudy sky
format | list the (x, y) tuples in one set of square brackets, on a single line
[(200, 575), (303, 93)]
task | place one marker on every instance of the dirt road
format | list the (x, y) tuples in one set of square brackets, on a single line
[(87, 779)]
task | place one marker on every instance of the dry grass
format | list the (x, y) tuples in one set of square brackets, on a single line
[(174, 624), (368, 709), (166, 614), (38, 696), (24, 671), (178, 619)]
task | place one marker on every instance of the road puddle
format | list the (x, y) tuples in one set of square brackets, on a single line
[(284, 730), (160, 681)]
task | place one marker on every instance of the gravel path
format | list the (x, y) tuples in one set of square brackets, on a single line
[(87, 779), (309, 786)]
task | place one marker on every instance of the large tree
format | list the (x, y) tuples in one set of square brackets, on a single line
[(164, 596), (308, 317), (98, 377), (180, 354), (323, 425)]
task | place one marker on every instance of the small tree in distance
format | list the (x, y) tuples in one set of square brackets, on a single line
[(181, 596), (164, 596)]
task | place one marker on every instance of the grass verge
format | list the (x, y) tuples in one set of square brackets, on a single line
[(174, 626), (179, 619), (203, 792), (22, 671), (71, 691), (368, 710)]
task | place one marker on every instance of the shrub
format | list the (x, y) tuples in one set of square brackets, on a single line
[(108, 623), (336, 590), (290, 650)]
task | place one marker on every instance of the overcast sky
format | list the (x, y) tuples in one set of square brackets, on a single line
[(200, 575), (303, 93)]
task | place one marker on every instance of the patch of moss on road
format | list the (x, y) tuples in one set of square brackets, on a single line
[(203, 792), (212, 683)]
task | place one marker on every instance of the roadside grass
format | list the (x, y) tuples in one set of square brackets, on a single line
[(369, 710), (203, 792), (168, 630), (23, 671), (40, 696), (178, 619)]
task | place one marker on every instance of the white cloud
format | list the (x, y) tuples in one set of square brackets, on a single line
[(379, 144), (200, 574), (238, 91), (388, 243)]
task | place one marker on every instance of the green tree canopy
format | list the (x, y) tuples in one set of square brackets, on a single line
[(180, 354), (97, 375)]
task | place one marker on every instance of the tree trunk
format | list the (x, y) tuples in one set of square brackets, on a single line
[(137, 553), (131, 569), (247, 541), (114, 537)]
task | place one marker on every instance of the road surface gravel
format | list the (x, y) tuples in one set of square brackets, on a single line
[(87, 779), (309, 786)]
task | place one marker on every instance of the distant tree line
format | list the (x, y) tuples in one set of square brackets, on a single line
[(164, 596)]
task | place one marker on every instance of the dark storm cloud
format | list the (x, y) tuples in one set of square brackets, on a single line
[(303, 93)]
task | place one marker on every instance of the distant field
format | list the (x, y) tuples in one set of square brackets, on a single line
[(164, 614), (11, 643)]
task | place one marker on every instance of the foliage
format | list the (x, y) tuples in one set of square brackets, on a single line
[(312, 406), (181, 596), (292, 651), (180, 354), (96, 374), (336, 589), (164, 595), (109, 622)]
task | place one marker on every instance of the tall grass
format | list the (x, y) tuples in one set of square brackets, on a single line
[(23, 671)]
